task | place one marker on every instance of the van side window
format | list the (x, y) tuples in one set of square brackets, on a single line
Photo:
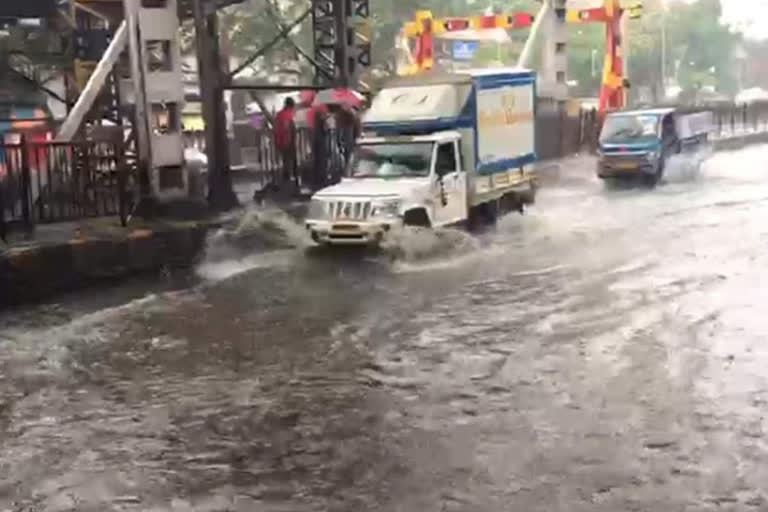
[(446, 159), (668, 129)]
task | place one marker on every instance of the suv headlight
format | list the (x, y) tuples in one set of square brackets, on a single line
[(652, 156), (386, 209), (318, 210)]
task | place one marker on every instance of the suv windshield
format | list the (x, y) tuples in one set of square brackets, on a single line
[(630, 128), (392, 160)]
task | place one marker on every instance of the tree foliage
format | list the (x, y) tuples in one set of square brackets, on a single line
[(699, 49), (699, 52)]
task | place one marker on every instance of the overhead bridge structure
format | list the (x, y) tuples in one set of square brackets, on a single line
[(138, 40)]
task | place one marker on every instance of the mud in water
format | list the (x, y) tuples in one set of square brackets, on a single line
[(604, 352)]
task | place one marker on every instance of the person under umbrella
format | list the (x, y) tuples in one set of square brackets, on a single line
[(285, 139)]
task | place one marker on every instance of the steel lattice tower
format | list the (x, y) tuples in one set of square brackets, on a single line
[(342, 41)]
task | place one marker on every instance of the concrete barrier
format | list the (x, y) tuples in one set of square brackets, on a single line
[(36, 272), (740, 141)]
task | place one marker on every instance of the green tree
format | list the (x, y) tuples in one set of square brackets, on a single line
[(699, 49)]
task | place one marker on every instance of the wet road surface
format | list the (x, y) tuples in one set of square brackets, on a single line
[(605, 352)]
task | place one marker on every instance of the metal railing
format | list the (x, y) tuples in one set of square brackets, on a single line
[(318, 161), (42, 182), (734, 120), (730, 120)]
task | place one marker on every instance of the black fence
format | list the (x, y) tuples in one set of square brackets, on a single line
[(43, 182), (318, 161), (740, 119)]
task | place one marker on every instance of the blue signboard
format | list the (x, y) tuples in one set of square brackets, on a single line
[(464, 50)]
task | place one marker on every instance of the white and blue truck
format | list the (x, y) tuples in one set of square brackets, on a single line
[(436, 150)]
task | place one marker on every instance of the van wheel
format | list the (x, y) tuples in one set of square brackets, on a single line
[(417, 218), (653, 179)]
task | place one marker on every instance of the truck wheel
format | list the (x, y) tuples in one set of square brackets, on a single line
[(512, 202), (484, 214), (417, 218), (529, 196)]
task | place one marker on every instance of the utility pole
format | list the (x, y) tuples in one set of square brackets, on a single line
[(664, 48), (626, 53)]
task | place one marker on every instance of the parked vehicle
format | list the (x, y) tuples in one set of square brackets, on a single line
[(436, 150), (639, 143)]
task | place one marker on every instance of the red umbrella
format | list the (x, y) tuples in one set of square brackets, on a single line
[(306, 97), (346, 98)]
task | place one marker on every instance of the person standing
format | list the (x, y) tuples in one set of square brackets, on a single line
[(285, 140), (320, 143)]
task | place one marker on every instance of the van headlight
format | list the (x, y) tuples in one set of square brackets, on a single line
[(318, 210), (386, 209), (652, 156)]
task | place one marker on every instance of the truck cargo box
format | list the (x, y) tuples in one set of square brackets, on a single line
[(497, 104)]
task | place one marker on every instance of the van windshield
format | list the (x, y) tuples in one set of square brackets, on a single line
[(392, 160), (630, 128)]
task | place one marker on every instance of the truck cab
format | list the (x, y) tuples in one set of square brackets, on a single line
[(638, 143)]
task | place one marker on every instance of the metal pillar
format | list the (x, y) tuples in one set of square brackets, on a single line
[(212, 78), (140, 122), (341, 33)]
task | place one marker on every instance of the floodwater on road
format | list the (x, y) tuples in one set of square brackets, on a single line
[(605, 352)]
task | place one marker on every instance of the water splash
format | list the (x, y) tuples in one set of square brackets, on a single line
[(686, 167), (260, 237), (419, 244)]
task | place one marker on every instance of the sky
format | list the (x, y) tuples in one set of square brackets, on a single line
[(749, 16)]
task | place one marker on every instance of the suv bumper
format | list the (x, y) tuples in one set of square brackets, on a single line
[(347, 233)]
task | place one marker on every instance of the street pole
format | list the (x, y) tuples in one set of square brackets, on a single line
[(221, 195), (664, 50), (625, 52)]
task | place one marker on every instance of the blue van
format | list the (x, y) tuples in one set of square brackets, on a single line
[(636, 144)]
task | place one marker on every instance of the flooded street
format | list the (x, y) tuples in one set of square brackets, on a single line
[(605, 352)]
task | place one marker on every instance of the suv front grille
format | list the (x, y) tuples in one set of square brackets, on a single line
[(349, 210)]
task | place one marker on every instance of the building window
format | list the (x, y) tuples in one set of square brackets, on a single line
[(159, 55), (165, 118), (170, 177)]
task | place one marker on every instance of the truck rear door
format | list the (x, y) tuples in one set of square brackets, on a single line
[(450, 185)]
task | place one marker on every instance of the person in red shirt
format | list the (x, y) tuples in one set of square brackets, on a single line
[(285, 139)]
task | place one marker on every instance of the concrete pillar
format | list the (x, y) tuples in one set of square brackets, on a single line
[(158, 94), (555, 56)]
